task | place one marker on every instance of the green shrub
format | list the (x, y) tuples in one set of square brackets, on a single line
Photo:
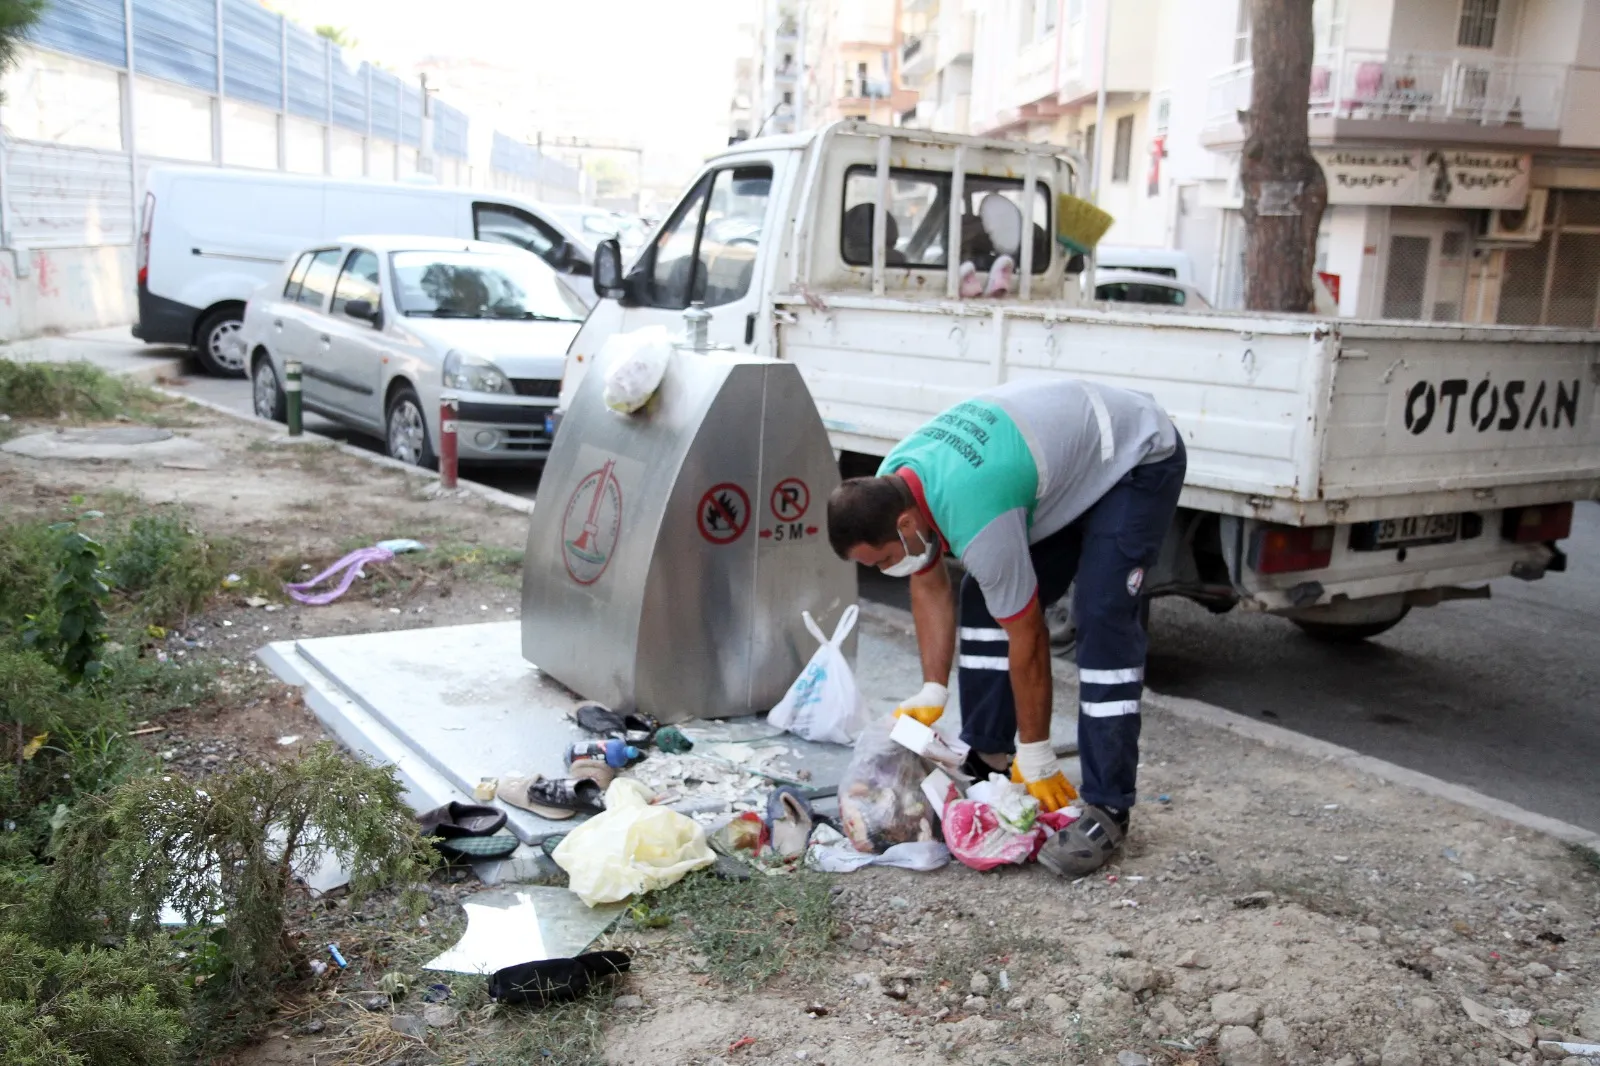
[(164, 568), (48, 390), (27, 562)]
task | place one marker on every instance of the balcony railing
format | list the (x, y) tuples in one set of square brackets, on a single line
[(910, 48), (1416, 87)]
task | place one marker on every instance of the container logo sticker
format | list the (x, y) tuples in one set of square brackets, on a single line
[(1135, 580), (724, 513), (590, 525)]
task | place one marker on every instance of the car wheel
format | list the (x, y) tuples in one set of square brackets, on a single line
[(1348, 632), (408, 430), (218, 344), (267, 392)]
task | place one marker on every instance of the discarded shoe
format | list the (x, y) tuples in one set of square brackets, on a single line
[(497, 846), (556, 798), (1084, 846), (598, 718), (789, 820), (536, 984), (461, 820), (671, 740)]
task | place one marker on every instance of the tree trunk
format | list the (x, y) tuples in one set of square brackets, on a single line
[(1284, 188)]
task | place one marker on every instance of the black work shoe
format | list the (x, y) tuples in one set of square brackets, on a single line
[(977, 768)]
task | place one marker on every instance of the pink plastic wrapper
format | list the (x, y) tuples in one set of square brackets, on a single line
[(976, 838)]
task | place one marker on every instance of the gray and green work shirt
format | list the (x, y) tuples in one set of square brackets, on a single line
[(1019, 462)]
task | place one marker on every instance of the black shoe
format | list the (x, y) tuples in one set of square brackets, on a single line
[(977, 768), (535, 984)]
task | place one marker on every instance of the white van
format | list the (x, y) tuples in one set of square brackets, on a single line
[(209, 238)]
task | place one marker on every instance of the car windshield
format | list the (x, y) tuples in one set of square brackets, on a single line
[(481, 285)]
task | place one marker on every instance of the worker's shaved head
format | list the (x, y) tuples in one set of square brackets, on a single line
[(864, 510)]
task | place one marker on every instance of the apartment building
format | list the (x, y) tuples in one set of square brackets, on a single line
[(852, 62), (775, 76), (936, 38), (1459, 139)]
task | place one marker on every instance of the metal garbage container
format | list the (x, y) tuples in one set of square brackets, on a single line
[(671, 551)]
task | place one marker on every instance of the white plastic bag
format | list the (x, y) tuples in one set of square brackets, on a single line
[(630, 847), (635, 363), (824, 703)]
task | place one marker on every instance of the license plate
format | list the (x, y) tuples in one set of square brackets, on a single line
[(1405, 532)]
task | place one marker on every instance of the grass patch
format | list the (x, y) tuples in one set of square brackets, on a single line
[(72, 390), (751, 931), (165, 568)]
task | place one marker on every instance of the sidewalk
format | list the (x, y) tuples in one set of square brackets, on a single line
[(114, 349)]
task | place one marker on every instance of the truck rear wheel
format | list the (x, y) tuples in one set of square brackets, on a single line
[(1347, 632), (217, 342)]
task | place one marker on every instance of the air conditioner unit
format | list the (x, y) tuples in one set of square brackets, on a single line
[(1526, 225)]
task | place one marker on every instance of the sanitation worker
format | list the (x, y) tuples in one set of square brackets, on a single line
[(1032, 485)]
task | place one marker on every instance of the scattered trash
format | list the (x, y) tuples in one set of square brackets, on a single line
[(945, 753), (831, 853), (232, 581), (1330, 806), (401, 546), (630, 847), (351, 568), (1451, 854), (319, 967), (292, 738), (1510, 1023), (745, 832), (545, 981), (1163, 798), (671, 740), (485, 789), (333, 950), (1583, 1051), (824, 703), (436, 993), (614, 753), (136, 733), (255, 601), (880, 799), (1253, 900), (789, 820), (816, 1010), (742, 1042)]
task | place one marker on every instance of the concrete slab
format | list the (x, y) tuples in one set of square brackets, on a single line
[(451, 705), (114, 349), (126, 444)]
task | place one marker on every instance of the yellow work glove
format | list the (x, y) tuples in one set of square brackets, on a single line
[(926, 706), (1037, 768)]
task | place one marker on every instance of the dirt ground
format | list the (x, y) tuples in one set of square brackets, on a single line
[(1268, 910)]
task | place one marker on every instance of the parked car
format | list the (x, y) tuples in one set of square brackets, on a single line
[(210, 237), (1167, 262), (1139, 287), (594, 224), (382, 325)]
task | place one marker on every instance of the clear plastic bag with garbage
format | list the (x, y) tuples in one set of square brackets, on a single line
[(881, 802), (630, 847), (635, 362)]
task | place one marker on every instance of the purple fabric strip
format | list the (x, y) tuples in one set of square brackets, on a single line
[(351, 565)]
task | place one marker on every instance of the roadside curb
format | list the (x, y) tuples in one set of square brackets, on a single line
[(155, 371), (1275, 736), (492, 495)]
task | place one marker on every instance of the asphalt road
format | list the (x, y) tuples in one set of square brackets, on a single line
[(1500, 695)]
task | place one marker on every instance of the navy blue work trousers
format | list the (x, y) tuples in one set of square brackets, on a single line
[(1108, 550)]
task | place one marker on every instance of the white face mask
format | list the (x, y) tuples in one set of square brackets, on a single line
[(911, 564)]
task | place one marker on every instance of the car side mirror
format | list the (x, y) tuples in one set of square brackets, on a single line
[(362, 309), (609, 284)]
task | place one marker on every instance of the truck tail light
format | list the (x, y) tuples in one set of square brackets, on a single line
[(1536, 525), (143, 253), (1286, 549)]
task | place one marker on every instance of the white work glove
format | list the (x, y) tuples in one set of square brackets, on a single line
[(1037, 767), (927, 705)]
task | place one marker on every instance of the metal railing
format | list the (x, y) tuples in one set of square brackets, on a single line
[(1414, 86)]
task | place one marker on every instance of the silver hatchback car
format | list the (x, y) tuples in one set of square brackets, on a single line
[(382, 326)]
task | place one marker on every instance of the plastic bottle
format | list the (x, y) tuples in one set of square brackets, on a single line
[(614, 753)]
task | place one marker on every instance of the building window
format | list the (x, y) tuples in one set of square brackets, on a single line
[(1241, 34), (1477, 23), (788, 98), (1122, 154)]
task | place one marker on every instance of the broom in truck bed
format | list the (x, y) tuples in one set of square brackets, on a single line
[(1080, 224)]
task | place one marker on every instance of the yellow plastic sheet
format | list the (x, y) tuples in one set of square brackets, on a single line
[(630, 847)]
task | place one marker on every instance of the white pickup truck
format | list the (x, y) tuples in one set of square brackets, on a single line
[(1340, 472)]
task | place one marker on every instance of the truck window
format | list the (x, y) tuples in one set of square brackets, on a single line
[(291, 289), (919, 214), (319, 278), (358, 281), (707, 250)]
